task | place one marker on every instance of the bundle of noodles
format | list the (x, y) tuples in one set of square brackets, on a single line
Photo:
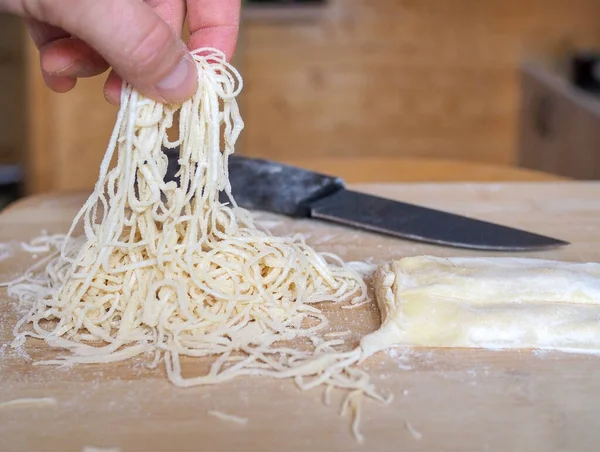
[(166, 268)]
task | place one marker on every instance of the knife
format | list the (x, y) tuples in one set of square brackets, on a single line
[(258, 184)]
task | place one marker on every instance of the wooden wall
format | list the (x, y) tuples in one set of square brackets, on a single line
[(67, 133), (12, 89), (431, 78)]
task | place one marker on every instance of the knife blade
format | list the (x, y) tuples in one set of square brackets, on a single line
[(259, 184)]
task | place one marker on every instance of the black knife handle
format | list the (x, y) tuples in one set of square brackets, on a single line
[(258, 184)]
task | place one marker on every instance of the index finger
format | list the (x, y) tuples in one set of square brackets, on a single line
[(214, 23)]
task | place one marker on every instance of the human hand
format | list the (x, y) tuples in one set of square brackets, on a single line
[(139, 40)]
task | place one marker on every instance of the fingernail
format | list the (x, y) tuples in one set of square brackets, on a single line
[(180, 83), (78, 69), (57, 67), (111, 98)]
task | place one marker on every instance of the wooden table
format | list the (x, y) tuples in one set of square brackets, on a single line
[(457, 400)]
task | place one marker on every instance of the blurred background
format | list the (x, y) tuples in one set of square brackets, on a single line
[(362, 88)]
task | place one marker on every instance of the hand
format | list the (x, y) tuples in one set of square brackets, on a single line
[(139, 40)]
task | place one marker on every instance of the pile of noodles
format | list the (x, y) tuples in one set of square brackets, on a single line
[(166, 268)]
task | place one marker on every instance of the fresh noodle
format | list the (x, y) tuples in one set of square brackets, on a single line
[(166, 268), (229, 417)]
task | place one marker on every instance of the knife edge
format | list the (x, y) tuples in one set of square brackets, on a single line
[(422, 224)]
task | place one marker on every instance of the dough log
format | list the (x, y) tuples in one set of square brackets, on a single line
[(496, 302)]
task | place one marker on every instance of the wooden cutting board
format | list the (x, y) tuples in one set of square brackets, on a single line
[(445, 400)]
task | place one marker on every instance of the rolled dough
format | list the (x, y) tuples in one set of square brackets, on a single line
[(495, 302)]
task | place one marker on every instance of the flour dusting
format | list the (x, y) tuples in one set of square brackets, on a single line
[(401, 359), (6, 251), (365, 268), (268, 225)]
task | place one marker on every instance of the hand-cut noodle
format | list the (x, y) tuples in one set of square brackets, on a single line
[(166, 268), (229, 417), (29, 402)]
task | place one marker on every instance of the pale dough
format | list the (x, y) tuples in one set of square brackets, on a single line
[(495, 302)]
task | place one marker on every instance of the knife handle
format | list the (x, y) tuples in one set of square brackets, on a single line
[(258, 184)]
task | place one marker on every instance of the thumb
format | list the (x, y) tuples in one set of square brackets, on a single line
[(140, 46)]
